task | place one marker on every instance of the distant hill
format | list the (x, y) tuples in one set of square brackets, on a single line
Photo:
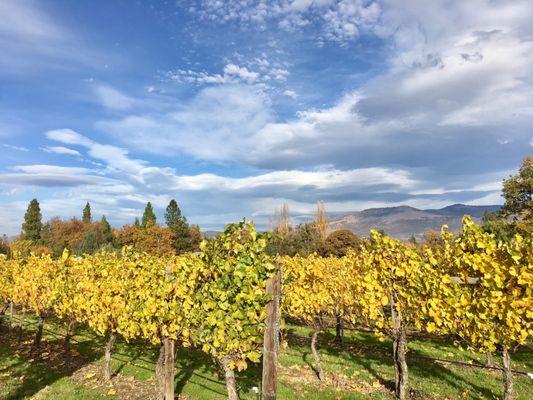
[(210, 234), (404, 221)]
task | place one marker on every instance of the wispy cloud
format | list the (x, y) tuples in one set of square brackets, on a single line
[(17, 148), (61, 150), (31, 39), (113, 98)]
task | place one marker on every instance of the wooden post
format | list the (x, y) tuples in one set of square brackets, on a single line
[(168, 345), (271, 339), (160, 373), (169, 368)]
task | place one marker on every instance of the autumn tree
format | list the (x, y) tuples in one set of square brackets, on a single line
[(432, 239), (338, 243), (149, 217), (518, 195), (154, 239), (86, 217), (31, 228), (196, 237), (4, 245)]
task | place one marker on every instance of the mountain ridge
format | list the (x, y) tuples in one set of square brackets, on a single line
[(402, 222)]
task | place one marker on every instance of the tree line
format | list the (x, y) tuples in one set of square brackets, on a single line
[(86, 236)]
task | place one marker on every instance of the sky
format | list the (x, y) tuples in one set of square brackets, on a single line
[(236, 107)]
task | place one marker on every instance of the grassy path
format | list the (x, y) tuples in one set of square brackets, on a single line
[(360, 368)]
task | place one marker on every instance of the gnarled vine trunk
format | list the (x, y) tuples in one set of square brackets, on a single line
[(318, 365), (70, 331), (10, 316), (490, 360), (108, 348), (400, 365), (231, 385), (508, 391), (21, 325), (3, 314), (339, 329), (39, 334), (398, 351)]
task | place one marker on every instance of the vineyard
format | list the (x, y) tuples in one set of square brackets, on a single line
[(237, 305)]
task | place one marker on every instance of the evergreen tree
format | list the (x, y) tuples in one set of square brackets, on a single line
[(89, 245), (32, 225), (107, 231), (177, 223), (148, 216), (136, 223), (86, 218)]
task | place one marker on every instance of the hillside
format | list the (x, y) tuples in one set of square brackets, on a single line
[(404, 221)]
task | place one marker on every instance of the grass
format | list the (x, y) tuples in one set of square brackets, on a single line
[(21, 378), (359, 368)]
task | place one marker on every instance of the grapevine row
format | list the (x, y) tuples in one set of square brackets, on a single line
[(472, 287)]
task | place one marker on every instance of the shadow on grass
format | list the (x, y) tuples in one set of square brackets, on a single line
[(30, 369), (374, 357)]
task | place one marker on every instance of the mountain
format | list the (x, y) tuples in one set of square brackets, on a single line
[(404, 221)]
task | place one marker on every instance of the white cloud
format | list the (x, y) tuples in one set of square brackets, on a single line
[(17, 148), (295, 180), (51, 176), (68, 136), (30, 39), (233, 70), (113, 99), (232, 74), (61, 150), (290, 93), (214, 125), (50, 169), (339, 21)]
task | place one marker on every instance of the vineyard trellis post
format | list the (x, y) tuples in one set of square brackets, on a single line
[(271, 339), (168, 344), (169, 368)]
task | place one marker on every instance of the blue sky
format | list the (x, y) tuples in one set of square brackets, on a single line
[(235, 107)]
